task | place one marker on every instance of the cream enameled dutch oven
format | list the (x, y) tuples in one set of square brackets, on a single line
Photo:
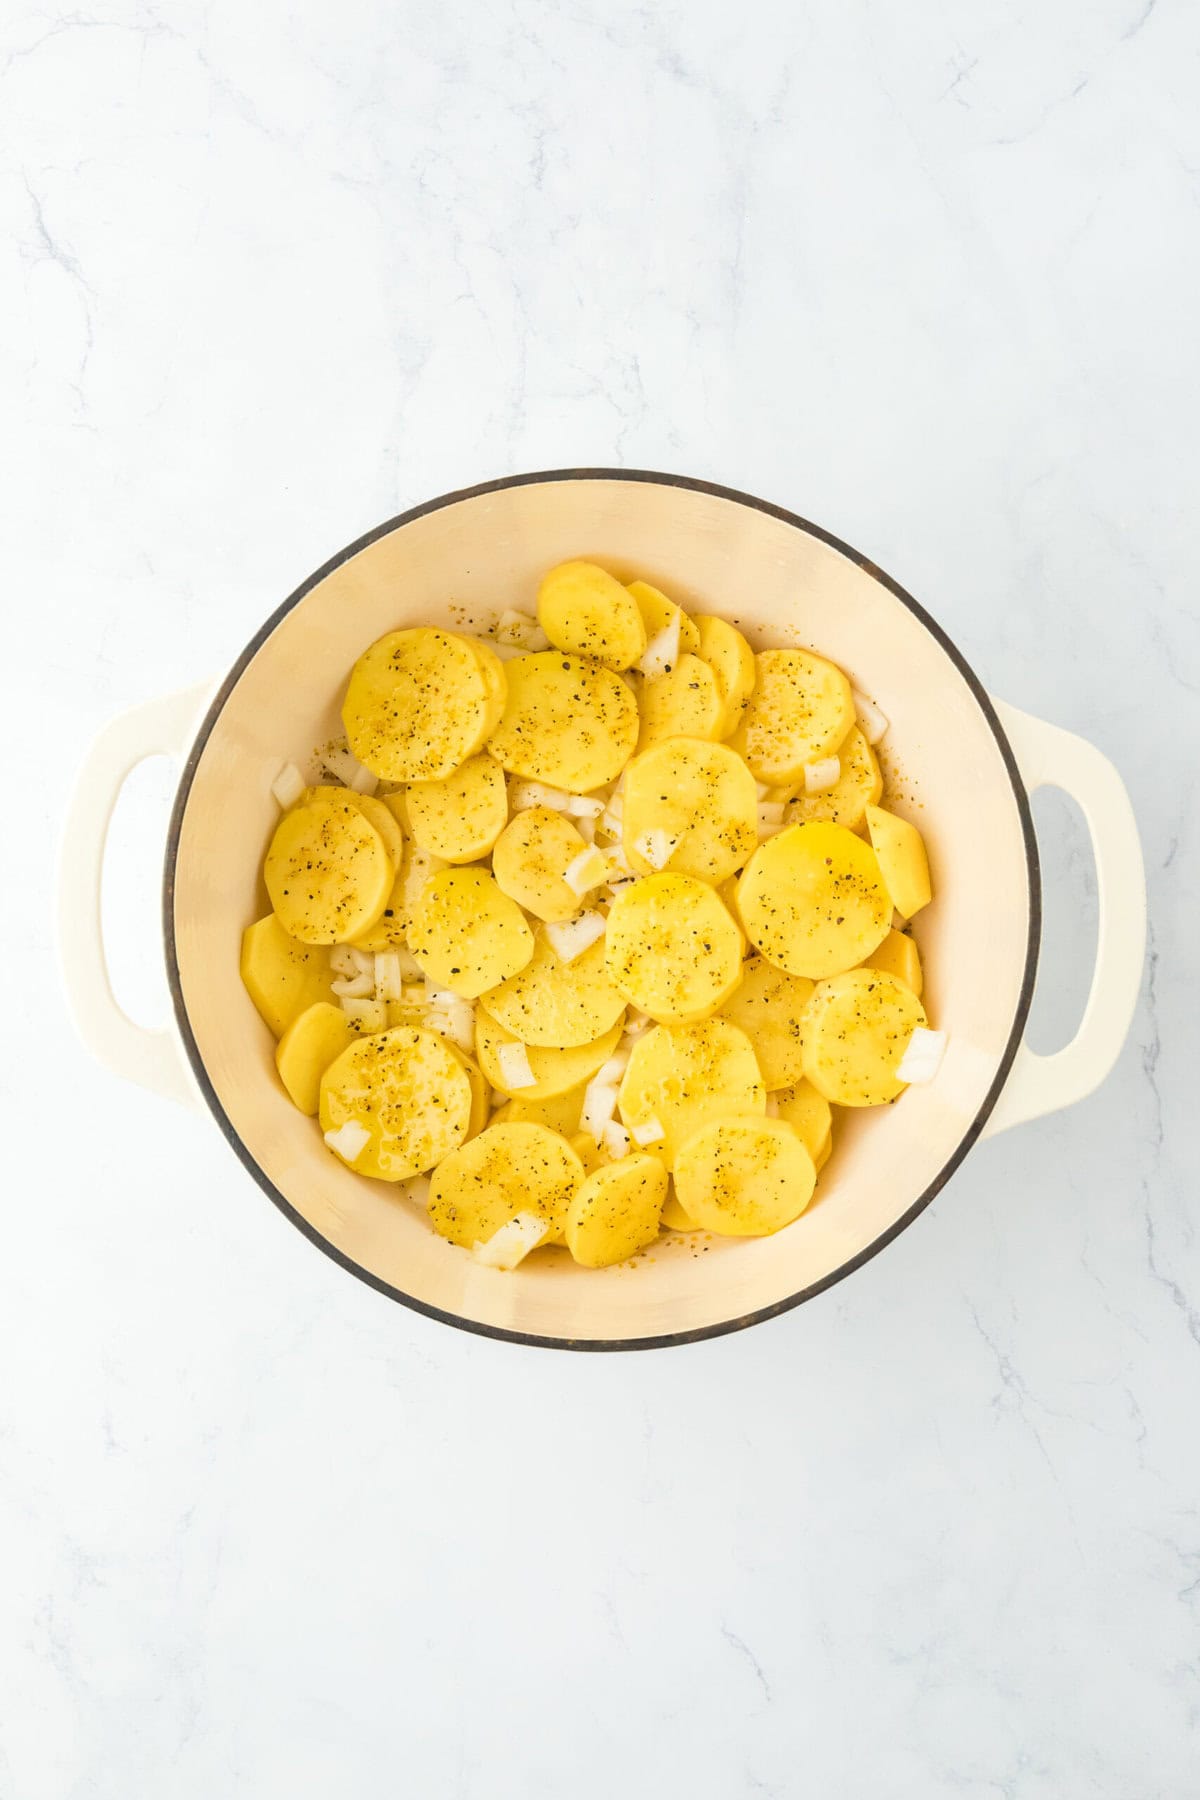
[(971, 763)]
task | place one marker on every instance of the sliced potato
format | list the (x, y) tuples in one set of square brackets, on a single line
[(731, 660), (314, 1039), (809, 1113), (377, 811), (466, 934), (556, 1005), (418, 704), (494, 678), (555, 1071), (700, 794), (327, 872), (744, 1177), (561, 1113), (615, 1211), (587, 1150), (673, 1215), (728, 892), (584, 609), (683, 1076), (769, 1007), (567, 722), (683, 703), (282, 976), (416, 868), (800, 712), (813, 901), (410, 1094), (658, 613), (671, 948), (901, 852), (856, 1031), (460, 817), (531, 856), (481, 1096), (507, 1169), (898, 955), (858, 786)]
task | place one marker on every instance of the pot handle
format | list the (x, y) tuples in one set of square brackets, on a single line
[(152, 1058), (1050, 757)]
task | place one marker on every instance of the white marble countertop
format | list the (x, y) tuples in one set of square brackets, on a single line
[(926, 275)]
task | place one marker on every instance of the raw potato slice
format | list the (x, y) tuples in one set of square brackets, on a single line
[(308, 1046), (809, 1113), (898, 956), (327, 872), (728, 892), (555, 1071), (507, 1169), (466, 934), (731, 660), (416, 868), (531, 856), (702, 795), (481, 1101), (376, 811), (658, 613), (282, 976), (460, 817), (744, 1177), (769, 1007), (901, 852), (556, 1005), (582, 608), (587, 1150), (684, 703), (418, 704), (558, 1114), (858, 786), (673, 1215), (569, 723), (856, 1032), (494, 678), (685, 1076), (615, 1211), (813, 901), (408, 1091), (800, 712), (672, 949)]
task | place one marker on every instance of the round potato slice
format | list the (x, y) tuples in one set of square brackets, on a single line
[(673, 1215), (557, 1005), (809, 1113), (902, 860), (801, 710), (308, 1046), (327, 872), (481, 1094), (530, 858), (281, 975), (898, 955), (377, 811), (494, 678), (672, 949), (554, 1072), (417, 866), (615, 1211), (558, 1114), (582, 608), (466, 934), (858, 786), (856, 1031), (506, 1170), (744, 1177), (658, 613), (460, 817), (683, 703), (813, 901), (769, 1007), (684, 1076), (731, 660), (702, 796), (567, 722), (408, 1091), (418, 704)]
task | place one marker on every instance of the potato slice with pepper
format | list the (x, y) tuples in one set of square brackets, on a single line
[(731, 660), (744, 1177), (615, 1211), (800, 712), (459, 817), (659, 614), (506, 1170), (901, 852), (685, 702), (808, 1111), (282, 976), (566, 721), (769, 1006), (813, 901), (856, 1031), (557, 1005), (672, 949), (408, 1091), (582, 608), (683, 1076), (701, 797), (554, 1072), (418, 704), (327, 872), (858, 786), (311, 1042), (898, 955), (466, 934), (530, 859)]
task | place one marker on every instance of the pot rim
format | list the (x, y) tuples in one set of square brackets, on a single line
[(722, 1327)]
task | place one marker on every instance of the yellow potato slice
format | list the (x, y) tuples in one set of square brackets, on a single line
[(899, 956), (671, 948), (800, 712), (507, 1169), (700, 794), (567, 722), (615, 1211), (327, 872), (376, 811), (686, 1075), (410, 1093), (530, 858), (858, 786), (416, 868), (418, 704), (658, 613), (555, 1072), (673, 1215), (466, 934), (460, 817), (587, 1150), (902, 859), (561, 1113), (308, 1046), (769, 1007), (813, 901), (683, 703), (728, 892), (731, 660), (856, 1031), (744, 1177), (556, 1005), (494, 678), (584, 609), (809, 1113), (282, 976)]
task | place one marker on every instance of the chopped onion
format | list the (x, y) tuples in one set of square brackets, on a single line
[(655, 847), (354, 987), (288, 785), (524, 794), (650, 1131), (599, 1105), (512, 1243), (819, 777), (506, 652), (572, 938), (615, 804), (439, 996), (611, 1072), (618, 862), (388, 982), (588, 870), (515, 1070), (419, 865), (770, 817), (456, 1022), (615, 1140), (348, 1141), (521, 631), (365, 1015), (871, 722), (586, 829), (636, 1022), (346, 767), (341, 960), (410, 968), (761, 791), (416, 1189), (662, 652), (582, 806), (923, 1056)]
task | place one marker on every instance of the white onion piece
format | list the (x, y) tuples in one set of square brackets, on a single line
[(456, 1022), (588, 870), (655, 847), (650, 1131), (819, 777), (586, 829), (439, 996), (615, 804), (416, 1189), (662, 652), (364, 962), (410, 968), (599, 1105), (761, 791), (618, 862), (524, 794), (506, 652), (512, 1243), (871, 722), (515, 1071), (341, 960), (345, 766), (388, 981), (582, 806), (922, 1057), (498, 1098), (572, 938), (609, 825), (770, 817), (367, 1015), (354, 987), (288, 785), (636, 1022), (615, 1140), (348, 1141), (611, 1071), (419, 865), (521, 631)]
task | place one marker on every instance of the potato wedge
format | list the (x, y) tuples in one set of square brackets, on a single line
[(769, 1006), (813, 901), (556, 1005), (409, 1092), (684, 1076), (731, 660), (658, 613), (902, 859), (507, 1169), (800, 712), (744, 1177), (615, 1211), (567, 722), (898, 955), (672, 949), (530, 858), (460, 817), (555, 1072), (327, 872), (466, 934), (314, 1039), (683, 703), (701, 795), (856, 1031), (858, 786), (282, 976), (809, 1113), (584, 609), (418, 704)]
